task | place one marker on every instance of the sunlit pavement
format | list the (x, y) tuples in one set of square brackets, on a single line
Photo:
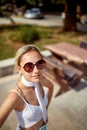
[(48, 21)]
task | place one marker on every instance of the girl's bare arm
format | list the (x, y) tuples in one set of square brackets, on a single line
[(7, 106), (49, 87)]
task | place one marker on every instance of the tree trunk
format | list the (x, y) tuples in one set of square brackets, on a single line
[(70, 15)]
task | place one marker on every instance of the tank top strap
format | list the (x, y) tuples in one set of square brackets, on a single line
[(15, 91)]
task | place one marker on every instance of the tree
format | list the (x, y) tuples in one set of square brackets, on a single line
[(70, 20), (70, 15)]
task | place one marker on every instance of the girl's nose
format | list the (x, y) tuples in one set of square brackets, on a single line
[(36, 69)]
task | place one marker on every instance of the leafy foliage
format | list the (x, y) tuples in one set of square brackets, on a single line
[(12, 37), (29, 35)]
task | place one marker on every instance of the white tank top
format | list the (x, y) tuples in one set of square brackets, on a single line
[(31, 114)]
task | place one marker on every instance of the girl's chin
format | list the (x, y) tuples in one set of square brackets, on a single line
[(37, 80)]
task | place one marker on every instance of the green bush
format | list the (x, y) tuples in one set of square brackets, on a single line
[(29, 35)]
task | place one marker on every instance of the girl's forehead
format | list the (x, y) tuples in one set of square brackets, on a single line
[(32, 56)]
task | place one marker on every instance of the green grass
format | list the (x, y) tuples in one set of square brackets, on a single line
[(5, 50), (13, 37)]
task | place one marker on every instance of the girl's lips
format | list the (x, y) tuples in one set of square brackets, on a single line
[(36, 76)]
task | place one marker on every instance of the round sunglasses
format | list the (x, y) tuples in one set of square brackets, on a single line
[(28, 67)]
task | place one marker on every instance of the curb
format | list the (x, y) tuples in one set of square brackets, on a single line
[(6, 67)]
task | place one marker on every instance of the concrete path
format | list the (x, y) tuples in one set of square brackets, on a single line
[(66, 112), (48, 21)]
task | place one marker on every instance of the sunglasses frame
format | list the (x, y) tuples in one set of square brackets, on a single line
[(37, 64)]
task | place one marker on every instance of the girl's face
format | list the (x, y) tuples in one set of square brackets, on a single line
[(35, 74)]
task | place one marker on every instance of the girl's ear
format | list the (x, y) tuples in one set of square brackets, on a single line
[(18, 69)]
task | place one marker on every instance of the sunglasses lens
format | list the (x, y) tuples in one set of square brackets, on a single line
[(41, 64), (28, 67)]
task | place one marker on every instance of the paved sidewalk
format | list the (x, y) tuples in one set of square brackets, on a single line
[(46, 22), (66, 112)]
